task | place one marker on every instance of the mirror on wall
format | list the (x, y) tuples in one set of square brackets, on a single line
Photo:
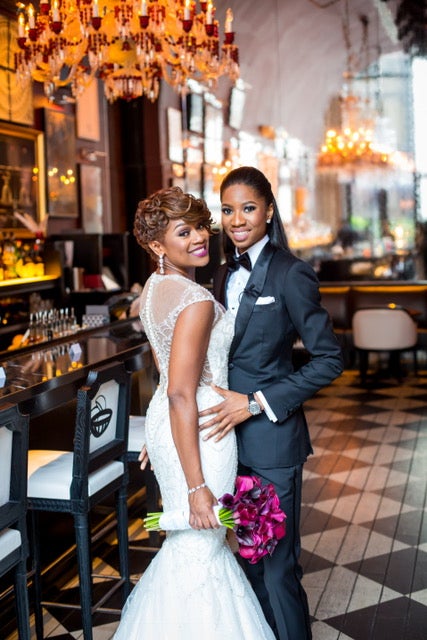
[(61, 171)]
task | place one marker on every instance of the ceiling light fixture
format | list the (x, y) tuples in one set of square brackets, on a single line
[(129, 44), (354, 142)]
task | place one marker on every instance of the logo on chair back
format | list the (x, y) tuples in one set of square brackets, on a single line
[(100, 417)]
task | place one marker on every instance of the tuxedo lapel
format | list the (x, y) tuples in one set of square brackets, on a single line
[(251, 293)]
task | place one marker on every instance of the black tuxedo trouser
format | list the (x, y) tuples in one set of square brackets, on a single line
[(276, 580)]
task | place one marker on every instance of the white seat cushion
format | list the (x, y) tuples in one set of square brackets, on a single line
[(10, 539), (50, 474), (383, 329), (136, 433)]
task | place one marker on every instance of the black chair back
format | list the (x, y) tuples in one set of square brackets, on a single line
[(13, 472), (13, 508), (102, 423)]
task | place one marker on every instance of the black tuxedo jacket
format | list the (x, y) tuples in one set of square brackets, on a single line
[(280, 303)]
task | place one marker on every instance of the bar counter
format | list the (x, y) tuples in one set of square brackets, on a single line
[(47, 375)]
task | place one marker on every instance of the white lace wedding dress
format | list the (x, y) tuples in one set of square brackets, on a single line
[(194, 588)]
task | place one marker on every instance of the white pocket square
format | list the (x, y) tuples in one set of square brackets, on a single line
[(265, 300)]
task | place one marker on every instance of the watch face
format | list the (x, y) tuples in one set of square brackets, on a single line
[(254, 408)]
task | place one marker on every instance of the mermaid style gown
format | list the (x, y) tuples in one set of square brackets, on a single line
[(194, 588)]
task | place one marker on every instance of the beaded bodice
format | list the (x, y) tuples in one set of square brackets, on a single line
[(163, 299)]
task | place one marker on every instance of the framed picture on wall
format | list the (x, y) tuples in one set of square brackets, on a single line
[(193, 166), (61, 168), (193, 178), (214, 153), (195, 112), (211, 184), (91, 203), (237, 106), (174, 128), (22, 177)]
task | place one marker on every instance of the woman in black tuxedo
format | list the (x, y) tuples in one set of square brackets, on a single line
[(275, 297)]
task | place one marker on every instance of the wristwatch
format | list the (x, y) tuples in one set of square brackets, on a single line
[(253, 406)]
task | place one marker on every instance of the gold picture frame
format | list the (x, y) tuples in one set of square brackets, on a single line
[(22, 175)]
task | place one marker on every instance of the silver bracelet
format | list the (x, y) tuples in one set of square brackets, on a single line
[(194, 489)]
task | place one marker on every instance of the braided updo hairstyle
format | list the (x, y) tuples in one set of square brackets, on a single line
[(155, 212)]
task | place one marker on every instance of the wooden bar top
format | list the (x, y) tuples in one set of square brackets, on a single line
[(47, 375)]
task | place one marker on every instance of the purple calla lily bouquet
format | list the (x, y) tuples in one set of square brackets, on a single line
[(253, 513)]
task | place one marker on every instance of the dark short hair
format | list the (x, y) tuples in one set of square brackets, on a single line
[(155, 212), (254, 178)]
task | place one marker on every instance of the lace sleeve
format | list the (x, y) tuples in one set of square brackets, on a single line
[(163, 299), (170, 296)]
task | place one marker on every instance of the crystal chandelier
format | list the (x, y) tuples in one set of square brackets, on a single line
[(129, 44), (355, 141)]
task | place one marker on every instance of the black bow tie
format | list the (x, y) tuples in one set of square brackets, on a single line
[(243, 260)]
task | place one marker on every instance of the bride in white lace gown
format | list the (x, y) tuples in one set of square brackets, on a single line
[(194, 588)]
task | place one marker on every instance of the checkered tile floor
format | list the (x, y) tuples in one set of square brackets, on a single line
[(364, 530), (364, 526)]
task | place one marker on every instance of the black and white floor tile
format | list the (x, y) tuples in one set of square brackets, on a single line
[(364, 525)]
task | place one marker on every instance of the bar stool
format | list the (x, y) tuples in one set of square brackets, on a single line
[(13, 508), (75, 481), (385, 329), (136, 441)]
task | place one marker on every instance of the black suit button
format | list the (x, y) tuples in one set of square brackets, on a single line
[(230, 365)]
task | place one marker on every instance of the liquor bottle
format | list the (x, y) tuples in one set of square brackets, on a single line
[(9, 257)]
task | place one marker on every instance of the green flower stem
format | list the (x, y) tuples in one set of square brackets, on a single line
[(151, 522), (225, 517)]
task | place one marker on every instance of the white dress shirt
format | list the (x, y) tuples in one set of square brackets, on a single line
[(239, 278), (235, 285)]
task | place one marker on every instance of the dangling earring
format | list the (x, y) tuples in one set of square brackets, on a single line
[(268, 220), (162, 264)]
